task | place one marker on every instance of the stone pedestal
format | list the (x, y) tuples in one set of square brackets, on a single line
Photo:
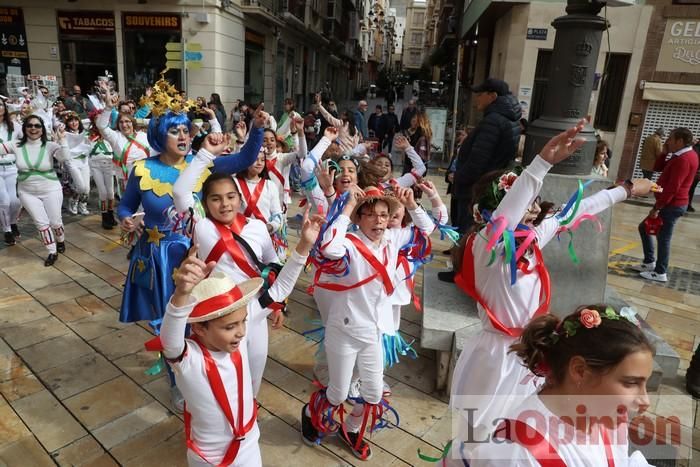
[(574, 285)]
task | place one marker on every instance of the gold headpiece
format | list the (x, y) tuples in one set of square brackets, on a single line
[(164, 96)]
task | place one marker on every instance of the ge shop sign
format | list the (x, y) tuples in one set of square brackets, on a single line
[(537, 34)]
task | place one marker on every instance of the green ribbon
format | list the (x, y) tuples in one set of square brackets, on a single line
[(34, 168), (443, 454), (572, 251), (577, 203), (157, 368)]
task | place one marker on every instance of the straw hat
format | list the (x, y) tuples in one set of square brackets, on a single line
[(218, 296), (374, 194)]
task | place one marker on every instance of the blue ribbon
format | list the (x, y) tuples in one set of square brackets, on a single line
[(394, 346)]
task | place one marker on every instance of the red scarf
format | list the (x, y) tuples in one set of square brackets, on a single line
[(251, 199)]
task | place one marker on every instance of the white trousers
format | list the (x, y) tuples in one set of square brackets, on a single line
[(102, 171), (9, 202), (342, 352), (248, 454), (257, 341), (80, 174), (44, 206)]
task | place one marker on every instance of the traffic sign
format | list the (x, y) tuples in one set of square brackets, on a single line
[(173, 46), (173, 55), (193, 56), (173, 64)]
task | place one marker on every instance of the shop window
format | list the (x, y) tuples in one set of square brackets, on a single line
[(539, 90), (254, 72), (148, 33), (611, 91)]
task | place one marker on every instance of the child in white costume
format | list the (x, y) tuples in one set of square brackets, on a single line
[(352, 288), (78, 166), (279, 164), (592, 352), (242, 249), (102, 170), (509, 297), (211, 367), (39, 189)]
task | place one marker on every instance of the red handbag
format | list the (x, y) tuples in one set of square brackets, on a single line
[(652, 225)]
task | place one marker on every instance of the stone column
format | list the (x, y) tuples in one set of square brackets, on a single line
[(572, 72)]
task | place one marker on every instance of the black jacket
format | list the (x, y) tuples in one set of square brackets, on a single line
[(492, 145)]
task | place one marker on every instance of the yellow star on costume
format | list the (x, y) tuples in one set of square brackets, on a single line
[(154, 236), (140, 265)]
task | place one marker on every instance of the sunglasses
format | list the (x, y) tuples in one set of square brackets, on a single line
[(36, 126)]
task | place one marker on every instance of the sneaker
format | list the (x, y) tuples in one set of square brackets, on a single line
[(350, 438), (73, 207), (654, 276), (15, 231), (309, 434), (177, 400), (61, 247), (644, 267), (9, 238), (83, 210), (446, 276)]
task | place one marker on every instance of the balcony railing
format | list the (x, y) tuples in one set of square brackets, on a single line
[(296, 8), (271, 6)]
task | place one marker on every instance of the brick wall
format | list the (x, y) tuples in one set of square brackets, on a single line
[(663, 9)]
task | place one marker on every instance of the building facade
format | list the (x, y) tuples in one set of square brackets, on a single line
[(414, 36), (252, 50)]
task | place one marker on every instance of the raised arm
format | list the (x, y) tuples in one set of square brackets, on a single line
[(114, 138), (233, 163), (409, 179), (336, 122), (185, 183)]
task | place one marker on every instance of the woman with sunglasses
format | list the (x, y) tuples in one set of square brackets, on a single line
[(39, 189), (9, 202), (510, 294)]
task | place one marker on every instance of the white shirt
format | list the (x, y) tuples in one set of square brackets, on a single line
[(33, 147), (268, 203), (283, 164), (119, 142), (363, 312), (211, 431)]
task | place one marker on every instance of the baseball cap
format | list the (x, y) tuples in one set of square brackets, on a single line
[(492, 85)]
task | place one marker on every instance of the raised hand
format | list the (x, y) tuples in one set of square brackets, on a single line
[(60, 133), (405, 197), (216, 143), (310, 229), (331, 133), (325, 177), (564, 144), (191, 272), (210, 113), (317, 98), (260, 117), (401, 143), (240, 130), (428, 187)]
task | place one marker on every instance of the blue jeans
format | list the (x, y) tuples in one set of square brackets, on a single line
[(669, 216)]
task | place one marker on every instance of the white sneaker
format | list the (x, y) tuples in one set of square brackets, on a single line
[(73, 206), (644, 267), (177, 399), (83, 210), (654, 276)]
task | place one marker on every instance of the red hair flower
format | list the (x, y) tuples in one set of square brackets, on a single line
[(590, 318), (506, 181)]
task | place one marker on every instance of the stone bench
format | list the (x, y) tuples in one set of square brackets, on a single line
[(450, 319)]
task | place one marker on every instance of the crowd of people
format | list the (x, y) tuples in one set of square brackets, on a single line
[(201, 198)]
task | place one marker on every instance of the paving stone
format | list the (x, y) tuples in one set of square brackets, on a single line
[(54, 352), (84, 451), (27, 451), (107, 402), (78, 375), (48, 420), (171, 452), (12, 428), (52, 294), (19, 383), (136, 364), (97, 286), (25, 311), (160, 390), (130, 425), (98, 325), (122, 342), (153, 435), (26, 334), (32, 277), (79, 308)]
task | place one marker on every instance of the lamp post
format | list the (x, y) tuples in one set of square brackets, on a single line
[(570, 84)]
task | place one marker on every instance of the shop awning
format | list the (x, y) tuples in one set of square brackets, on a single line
[(669, 92)]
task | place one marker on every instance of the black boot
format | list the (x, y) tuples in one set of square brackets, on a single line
[(50, 259), (446, 276), (111, 218), (61, 247), (692, 375), (9, 238), (106, 224), (15, 231)]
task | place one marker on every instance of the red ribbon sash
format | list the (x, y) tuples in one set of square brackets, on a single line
[(227, 244), (271, 166), (251, 199), (465, 280), (219, 390), (219, 302)]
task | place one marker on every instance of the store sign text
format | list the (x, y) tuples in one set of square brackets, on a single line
[(152, 21), (85, 22), (680, 49)]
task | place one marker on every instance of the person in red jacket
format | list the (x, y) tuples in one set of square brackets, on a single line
[(678, 166)]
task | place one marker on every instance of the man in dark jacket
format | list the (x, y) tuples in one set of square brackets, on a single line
[(408, 113), (390, 125), (492, 145)]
